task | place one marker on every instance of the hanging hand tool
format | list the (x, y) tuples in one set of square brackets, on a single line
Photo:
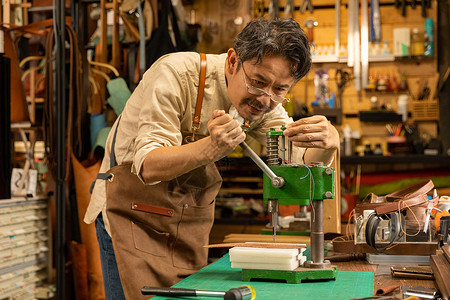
[(375, 6), (289, 9), (309, 24), (403, 8), (306, 5), (350, 42), (245, 292), (337, 31), (258, 9), (274, 10), (424, 8), (342, 78), (365, 36), (354, 45)]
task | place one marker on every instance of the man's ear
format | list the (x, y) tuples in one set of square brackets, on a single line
[(232, 61)]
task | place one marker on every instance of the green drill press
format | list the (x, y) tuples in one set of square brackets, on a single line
[(288, 183)]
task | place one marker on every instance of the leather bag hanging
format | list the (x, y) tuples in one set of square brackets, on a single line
[(19, 107), (83, 177), (160, 42)]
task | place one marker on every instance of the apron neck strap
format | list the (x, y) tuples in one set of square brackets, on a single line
[(198, 106)]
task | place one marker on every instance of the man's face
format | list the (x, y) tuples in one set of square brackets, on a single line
[(257, 89)]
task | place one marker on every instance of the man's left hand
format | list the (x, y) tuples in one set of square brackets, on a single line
[(313, 132)]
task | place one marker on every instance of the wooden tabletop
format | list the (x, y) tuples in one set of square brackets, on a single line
[(383, 276), (382, 272)]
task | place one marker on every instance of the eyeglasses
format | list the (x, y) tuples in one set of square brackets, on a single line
[(259, 92)]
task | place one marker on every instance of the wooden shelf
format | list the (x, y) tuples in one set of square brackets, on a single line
[(243, 179), (374, 159), (243, 191), (395, 159)]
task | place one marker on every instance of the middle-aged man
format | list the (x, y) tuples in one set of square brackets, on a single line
[(155, 214)]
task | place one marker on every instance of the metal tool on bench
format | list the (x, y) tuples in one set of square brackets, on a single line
[(289, 183), (240, 293)]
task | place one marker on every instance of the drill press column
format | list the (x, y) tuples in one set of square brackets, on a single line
[(317, 242)]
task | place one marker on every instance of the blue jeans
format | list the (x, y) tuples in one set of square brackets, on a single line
[(111, 279)]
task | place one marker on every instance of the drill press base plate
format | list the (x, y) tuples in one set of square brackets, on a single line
[(295, 276)]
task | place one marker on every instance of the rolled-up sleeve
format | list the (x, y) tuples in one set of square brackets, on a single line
[(159, 118)]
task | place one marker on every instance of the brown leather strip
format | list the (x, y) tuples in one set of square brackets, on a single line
[(152, 209), (340, 245), (39, 28), (412, 191), (402, 204), (201, 87), (386, 290)]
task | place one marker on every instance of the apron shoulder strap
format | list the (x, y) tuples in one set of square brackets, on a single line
[(198, 105)]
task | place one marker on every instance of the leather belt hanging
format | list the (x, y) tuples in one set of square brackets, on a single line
[(198, 106)]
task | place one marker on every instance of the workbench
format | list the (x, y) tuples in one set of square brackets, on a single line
[(219, 276), (356, 279), (382, 276)]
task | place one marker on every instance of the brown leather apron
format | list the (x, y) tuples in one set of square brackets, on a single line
[(158, 231)]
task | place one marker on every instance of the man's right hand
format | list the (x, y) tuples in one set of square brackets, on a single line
[(166, 163), (225, 133)]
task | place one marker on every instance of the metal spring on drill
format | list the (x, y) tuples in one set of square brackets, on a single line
[(272, 150)]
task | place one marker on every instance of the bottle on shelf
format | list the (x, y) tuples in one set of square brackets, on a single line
[(403, 85), (319, 50), (429, 31), (342, 51), (375, 49), (417, 43), (378, 150), (381, 84), (331, 51), (373, 103), (325, 50), (385, 50), (388, 83), (368, 149), (372, 84), (394, 83)]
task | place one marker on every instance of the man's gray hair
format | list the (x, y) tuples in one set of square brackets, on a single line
[(279, 37)]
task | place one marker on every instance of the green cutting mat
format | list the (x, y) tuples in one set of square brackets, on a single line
[(219, 276)]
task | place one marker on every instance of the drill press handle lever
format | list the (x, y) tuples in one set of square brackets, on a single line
[(277, 181)]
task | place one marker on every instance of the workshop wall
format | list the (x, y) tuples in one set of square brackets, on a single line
[(221, 20)]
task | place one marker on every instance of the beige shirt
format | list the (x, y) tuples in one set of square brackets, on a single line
[(162, 106)]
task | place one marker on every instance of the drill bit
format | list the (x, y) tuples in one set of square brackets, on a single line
[(272, 208)]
